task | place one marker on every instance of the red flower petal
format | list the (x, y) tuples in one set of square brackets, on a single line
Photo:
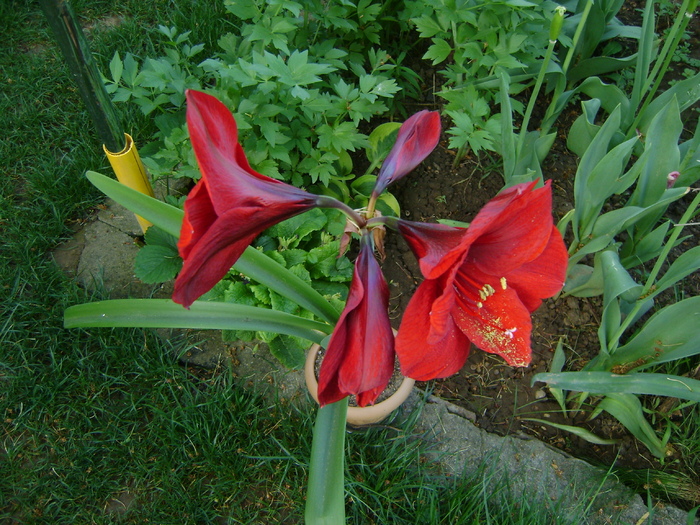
[(360, 356), (502, 326), (417, 137), (230, 206), (436, 246), (511, 229), (544, 277), (419, 359)]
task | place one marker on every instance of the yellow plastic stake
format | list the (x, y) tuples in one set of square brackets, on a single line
[(131, 172)]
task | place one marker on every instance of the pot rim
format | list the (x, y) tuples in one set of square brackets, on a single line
[(358, 415)]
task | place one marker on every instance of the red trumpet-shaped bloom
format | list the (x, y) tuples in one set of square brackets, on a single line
[(481, 283), (360, 356), (230, 205), (417, 138)]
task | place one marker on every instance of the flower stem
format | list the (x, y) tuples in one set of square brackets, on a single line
[(533, 97), (325, 497), (329, 202)]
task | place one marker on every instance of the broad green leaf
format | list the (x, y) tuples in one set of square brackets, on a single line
[(288, 351), (116, 68), (202, 315), (428, 26), (381, 140), (364, 184), (388, 205), (439, 51), (641, 383), (157, 264), (628, 410), (668, 335), (299, 226)]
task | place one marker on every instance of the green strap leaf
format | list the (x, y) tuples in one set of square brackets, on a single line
[(607, 383), (668, 335), (165, 216), (325, 496), (203, 315)]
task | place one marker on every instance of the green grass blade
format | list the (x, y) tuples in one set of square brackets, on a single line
[(163, 313), (577, 431)]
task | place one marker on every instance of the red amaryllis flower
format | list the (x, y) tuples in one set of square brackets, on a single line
[(417, 137), (481, 283), (230, 205), (360, 356)]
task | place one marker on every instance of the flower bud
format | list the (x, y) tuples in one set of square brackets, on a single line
[(557, 23)]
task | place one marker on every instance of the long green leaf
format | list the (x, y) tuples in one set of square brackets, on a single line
[(577, 431), (627, 409), (668, 335), (607, 383), (252, 263), (165, 216), (325, 498), (204, 315)]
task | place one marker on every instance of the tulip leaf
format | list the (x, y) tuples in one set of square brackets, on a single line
[(202, 315), (687, 92), (627, 409), (684, 265), (558, 360), (668, 335), (633, 383), (617, 285)]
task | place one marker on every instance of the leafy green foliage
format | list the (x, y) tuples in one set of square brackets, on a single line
[(303, 83), (158, 261), (473, 40)]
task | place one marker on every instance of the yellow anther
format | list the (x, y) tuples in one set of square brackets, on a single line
[(504, 284)]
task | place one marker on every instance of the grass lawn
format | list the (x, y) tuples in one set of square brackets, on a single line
[(105, 426)]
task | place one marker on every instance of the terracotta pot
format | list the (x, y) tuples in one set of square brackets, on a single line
[(358, 416)]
